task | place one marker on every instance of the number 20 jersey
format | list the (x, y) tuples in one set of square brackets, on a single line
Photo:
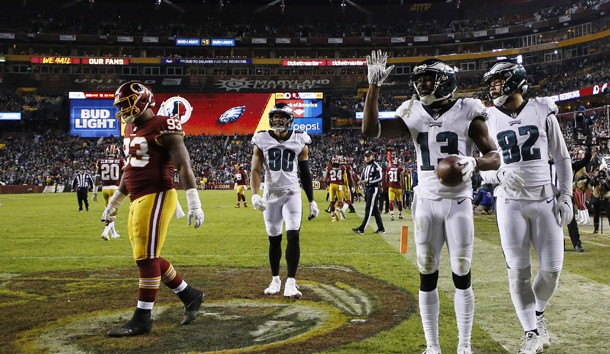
[(436, 137), (281, 158), (149, 168)]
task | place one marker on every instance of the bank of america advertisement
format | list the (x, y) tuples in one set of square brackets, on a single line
[(92, 114)]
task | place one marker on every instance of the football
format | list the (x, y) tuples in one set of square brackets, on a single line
[(449, 172)]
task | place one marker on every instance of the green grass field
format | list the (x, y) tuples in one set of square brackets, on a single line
[(43, 235)]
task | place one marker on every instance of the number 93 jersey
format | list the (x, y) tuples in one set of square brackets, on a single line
[(148, 167), (281, 159), (437, 136)]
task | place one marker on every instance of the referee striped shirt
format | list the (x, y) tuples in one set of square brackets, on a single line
[(82, 180), (372, 174)]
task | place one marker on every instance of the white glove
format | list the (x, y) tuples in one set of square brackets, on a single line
[(582, 218), (511, 179), (563, 210), (258, 202), (376, 65), (109, 214), (235, 187), (313, 210), (194, 208), (94, 198), (245, 187), (469, 164)]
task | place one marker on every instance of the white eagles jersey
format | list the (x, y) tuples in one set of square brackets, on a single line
[(525, 141), (281, 159), (438, 136)]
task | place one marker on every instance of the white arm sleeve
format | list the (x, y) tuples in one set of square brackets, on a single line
[(561, 156)]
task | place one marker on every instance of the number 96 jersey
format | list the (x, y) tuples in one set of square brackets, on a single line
[(281, 158), (148, 167)]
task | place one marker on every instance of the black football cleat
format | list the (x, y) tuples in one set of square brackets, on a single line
[(192, 308), (358, 231), (132, 328)]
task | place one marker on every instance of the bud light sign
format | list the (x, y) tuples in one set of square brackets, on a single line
[(93, 118), (308, 125)]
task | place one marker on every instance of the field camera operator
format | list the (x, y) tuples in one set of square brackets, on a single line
[(599, 198)]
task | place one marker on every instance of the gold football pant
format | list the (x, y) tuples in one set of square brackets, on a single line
[(149, 217)]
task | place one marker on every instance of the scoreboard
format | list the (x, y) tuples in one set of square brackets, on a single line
[(307, 107)]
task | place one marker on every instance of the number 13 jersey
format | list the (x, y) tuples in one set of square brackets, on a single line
[(437, 136)]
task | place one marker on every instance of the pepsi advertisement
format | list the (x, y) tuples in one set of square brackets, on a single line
[(309, 125)]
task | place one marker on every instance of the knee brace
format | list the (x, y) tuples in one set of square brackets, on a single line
[(428, 282), (461, 281)]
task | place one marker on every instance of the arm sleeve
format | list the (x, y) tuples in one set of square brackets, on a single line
[(306, 179), (561, 156)]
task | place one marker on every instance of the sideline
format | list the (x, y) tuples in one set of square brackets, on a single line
[(576, 324)]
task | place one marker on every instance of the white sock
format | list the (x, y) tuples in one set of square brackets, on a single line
[(428, 310), (464, 315), (180, 287)]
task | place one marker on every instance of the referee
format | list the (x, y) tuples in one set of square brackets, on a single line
[(371, 179), (82, 183)]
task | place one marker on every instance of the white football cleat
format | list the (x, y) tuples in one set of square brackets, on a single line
[(543, 334), (531, 344), (274, 286), (432, 350), (291, 289), (106, 232), (464, 350)]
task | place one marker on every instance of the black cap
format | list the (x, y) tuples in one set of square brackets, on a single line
[(368, 153)]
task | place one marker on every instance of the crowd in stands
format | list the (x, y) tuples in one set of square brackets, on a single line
[(42, 155), (156, 22)]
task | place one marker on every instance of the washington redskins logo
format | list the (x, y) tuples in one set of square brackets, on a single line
[(176, 106)]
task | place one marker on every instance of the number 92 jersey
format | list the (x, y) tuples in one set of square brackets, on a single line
[(281, 158), (524, 139), (438, 136), (148, 167)]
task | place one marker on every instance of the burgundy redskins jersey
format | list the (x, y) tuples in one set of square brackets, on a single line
[(241, 177), (348, 175), (394, 174), (110, 169), (335, 174), (149, 168)]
